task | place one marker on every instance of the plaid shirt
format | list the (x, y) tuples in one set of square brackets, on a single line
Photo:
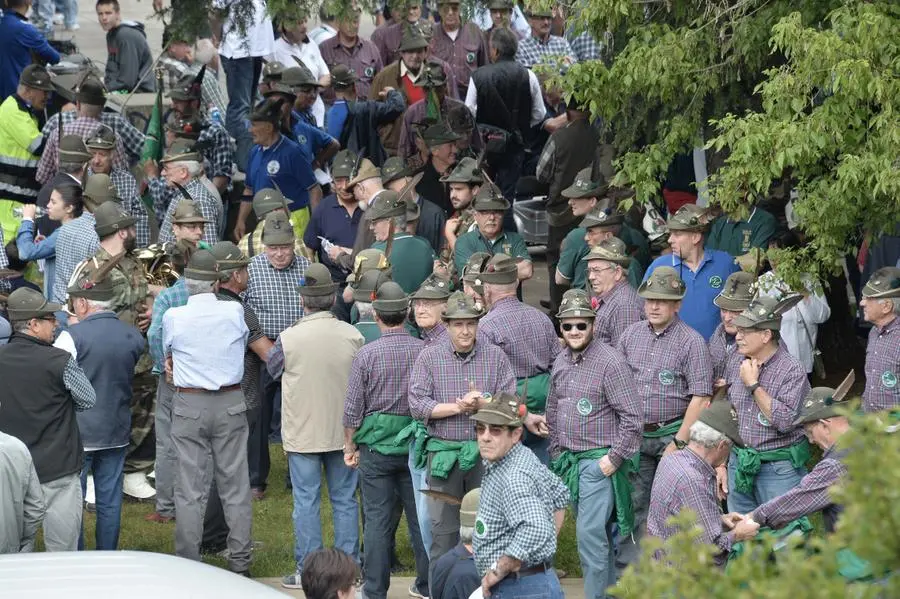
[(441, 376), (593, 403), (464, 54), (618, 309), (76, 241), (379, 377), (217, 149), (585, 47), (272, 293), (126, 185), (533, 51), (685, 480), (668, 367), (784, 378), (525, 335), (171, 297), (437, 334), (519, 497), (209, 205), (250, 380), (811, 495), (78, 384), (882, 368), (132, 139), (210, 91), (83, 127), (721, 347)]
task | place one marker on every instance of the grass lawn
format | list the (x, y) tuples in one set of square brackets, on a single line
[(272, 525)]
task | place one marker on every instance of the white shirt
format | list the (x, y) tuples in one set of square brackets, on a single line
[(517, 20), (321, 33), (538, 111), (65, 342), (284, 52), (259, 39)]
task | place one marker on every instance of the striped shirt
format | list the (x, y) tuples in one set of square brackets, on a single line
[(883, 368), (76, 241), (209, 205), (272, 293), (379, 377), (440, 375), (782, 377), (721, 347), (593, 403), (668, 367), (525, 335), (619, 308)]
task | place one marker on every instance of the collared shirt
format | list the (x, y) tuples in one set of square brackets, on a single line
[(685, 480), (77, 241), (216, 148), (416, 113), (132, 139), (84, 128), (321, 33), (783, 378), (585, 47), (721, 347), (440, 375), (250, 380), (533, 50), (171, 297), (412, 260), (207, 340), (332, 221), (209, 205), (22, 509), (284, 166), (245, 35), (509, 243), (308, 52), (738, 237), (524, 333), (363, 58), (519, 497), (126, 186), (668, 367), (434, 335), (882, 368), (617, 309), (702, 287), (272, 293), (593, 402), (465, 53), (379, 378)]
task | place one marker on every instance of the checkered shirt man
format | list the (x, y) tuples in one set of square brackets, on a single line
[(721, 347), (78, 384), (126, 186), (211, 93), (84, 128), (668, 367), (533, 51), (440, 375), (76, 241), (209, 205), (171, 297), (585, 47), (4, 263), (593, 403), (379, 378), (782, 377), (525, 335), (519, 498), (250, 380), (272, 293), (132, 139), (882, 357), (217, 149), (617, 309)]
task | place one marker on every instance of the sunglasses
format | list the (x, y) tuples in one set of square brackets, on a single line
[(578, 326), (495, 429)]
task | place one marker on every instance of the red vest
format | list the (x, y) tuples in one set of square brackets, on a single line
[(413, 93)]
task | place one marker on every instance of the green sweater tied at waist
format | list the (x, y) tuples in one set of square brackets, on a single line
[(669, 429), (799, 527), (750, 461), (537, 387), (379, 433), (445, 455), (415, 430)]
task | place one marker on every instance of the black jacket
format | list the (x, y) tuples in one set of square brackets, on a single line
[(360, 130)]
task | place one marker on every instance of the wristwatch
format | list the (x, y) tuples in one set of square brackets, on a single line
[(679, 444), (752, 388)]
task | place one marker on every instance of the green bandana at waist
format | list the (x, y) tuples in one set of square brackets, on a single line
[(379, 432), (750, 461), (415, 430), (447, 453), (669, 429), (800, 526), (538, 386), (566, 467)]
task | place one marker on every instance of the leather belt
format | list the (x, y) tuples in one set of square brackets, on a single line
[(235, 387), (652, 428), (539, 569)]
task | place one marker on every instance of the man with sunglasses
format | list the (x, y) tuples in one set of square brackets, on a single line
[(618, 304), (594, 415), (521, 510), (672, 370)]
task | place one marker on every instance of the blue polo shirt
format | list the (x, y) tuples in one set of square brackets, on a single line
[(285, 164), (697, 308), (19, 39), (310, 138), (331, 221)]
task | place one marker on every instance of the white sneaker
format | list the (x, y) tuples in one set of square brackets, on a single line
[(57, 19), (74, 27), (90, 499), (137, 487)]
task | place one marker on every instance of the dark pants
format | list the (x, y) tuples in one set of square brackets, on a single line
[(341, 309), (107, 466), (445, 517), (241, 77), (384, 482), (555, 237), (506, 175), (258, 440)]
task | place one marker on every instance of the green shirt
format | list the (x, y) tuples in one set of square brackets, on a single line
[(737, 238), (369, 331), (570, 265), (511, 244), (636, 244), (412, 259)]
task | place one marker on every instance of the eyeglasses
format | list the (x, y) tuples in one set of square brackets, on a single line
[(597, 271), (579, 326), (495, 429)]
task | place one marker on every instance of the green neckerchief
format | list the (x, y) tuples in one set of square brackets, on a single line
[(447, 453), (415, 430), (538, 388), (799, 526), (852, 567), (379, 432), (566, 467), (750, 461), (202, 245), (669, 429)]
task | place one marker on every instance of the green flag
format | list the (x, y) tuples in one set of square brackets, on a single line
[(153, 142)]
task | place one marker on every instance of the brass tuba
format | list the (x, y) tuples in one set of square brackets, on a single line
[(157, 266)]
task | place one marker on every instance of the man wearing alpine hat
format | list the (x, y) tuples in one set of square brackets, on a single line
[(734, 298), (881, 307), (618, 304)]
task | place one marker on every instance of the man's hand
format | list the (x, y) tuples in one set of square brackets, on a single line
[(351, 458), (749, 371), (721, 482), (334, 251), (670, 448), (169, 369), (151, 169), (383, 93), (143, 322), (607, 467), (239, 229), (28, 211), (450, 226), (490, 579), (745, 529), (730, 520), (537, 425)]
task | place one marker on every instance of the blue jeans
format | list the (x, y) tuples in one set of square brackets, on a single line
[(535, 586), (241, 77), (306, 478), (419, 482), (774, 479), (108, 467), (593, 529), (539, 446)]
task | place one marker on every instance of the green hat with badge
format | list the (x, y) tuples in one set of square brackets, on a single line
[(576, 303), (187, 212), (722, 417), (663, 284), (387, 204), (824, 402), (489, 198), (99, 189), (202, 266), (468, 511), (461, 307), (362, 171), (104, 138), (277, 229), (37, 77), (390, 298), (182, 150), (317, 281), (272, 71), (500, 269), (269, 111), (110, 217), (394, 168), (471, 273), (366, 260), (539, 8), (299, 76), (584, 187), (432, 288), (188, 128), (737, 293), (412, 39), (438, 135), (73, 150), (883, 284), (342, 76), (85, 286), (343, 164), (690, 217), (765, 312), (465, 171), (600, 218), (186, 89), (368, 283), (610, 250), (91, 92), (25, 303), (229, 257), (278, 87), (433, 74), (503, 409), (266, 200)]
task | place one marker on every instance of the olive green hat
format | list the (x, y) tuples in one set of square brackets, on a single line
[(363, 171), (765, 312), (37, 77), (610, 250), (299, 76), (461, 307), (825, 402), (187, 212), (110, 217), (188, 128), (229, 256), (387, 204), (489, 198), (439, 134), (468, 511), (394, 168), (279, 87), (412, 39), (317, 281), (689, 217), (434, 287), (266, 200), (722, 417), (202, 266), (576, 303), (599, 218), (538, 9), (434, 74), (663, 284), (884, 283), (342, 76), (500, 269), (366, 260), (185, 89), (25, 303), (500, 5), (465, 171), (104, 138), (584, 186), (277, 229), (99, 189), (272, 71), (471, 273), (269, 111), (368, 284), (72, 149), (344, 163), (182, 150), (737, 293), (91, 92), (390, 298), (503, 409), (84, 286)]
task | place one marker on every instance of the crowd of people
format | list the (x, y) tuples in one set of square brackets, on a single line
[(329, 261)]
